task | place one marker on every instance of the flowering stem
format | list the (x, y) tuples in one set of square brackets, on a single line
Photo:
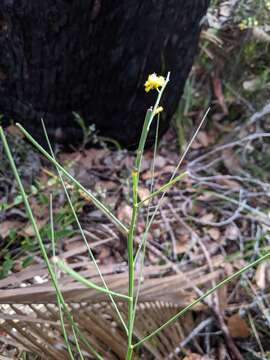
[(151, 113)]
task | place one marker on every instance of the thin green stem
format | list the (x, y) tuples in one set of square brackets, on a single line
[(59, 304), (82, 232), (204, 296), (175, 171), (142, 245), (131, 235), (77, 343), (89, 284), (151, 113), (40, 242), (95, 201)]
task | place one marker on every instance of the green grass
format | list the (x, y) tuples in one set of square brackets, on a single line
[(55, 263)]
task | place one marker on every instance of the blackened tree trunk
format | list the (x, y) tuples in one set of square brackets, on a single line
[(93, 57)]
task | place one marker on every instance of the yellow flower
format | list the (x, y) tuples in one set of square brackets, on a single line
[(159, 110), (154, 82)]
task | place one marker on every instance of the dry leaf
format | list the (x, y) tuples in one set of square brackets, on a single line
[(218, 91), (72, 245), (160, 162), (203, 139), (262, 276), (206, 197), (231, 232), (93, 157), (65, 158), (147, 175), (124, 213), (8, 225), (196, 145), (207, 218), (181, 248), (214, 233), (14, 130), (231, 184), (105, 185), (231, 162), (104, 255), (238, 327), (143, 193), (223, 297), (29, 230), (193, 356)]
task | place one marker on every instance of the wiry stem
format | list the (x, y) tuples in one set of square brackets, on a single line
[(40, 242), (95, 201), (151, 113), (204, 296)]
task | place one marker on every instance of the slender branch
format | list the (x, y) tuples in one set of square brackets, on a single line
[(131, 234), (81, 230), (151, 113), (59, 304), (40, 242), (142, 246), (164, 187), (95, 201), (65, 268)]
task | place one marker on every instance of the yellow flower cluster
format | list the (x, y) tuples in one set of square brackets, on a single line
[(154, 82), (159, 110)]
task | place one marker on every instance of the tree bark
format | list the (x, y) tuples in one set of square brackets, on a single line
[(93, 57)]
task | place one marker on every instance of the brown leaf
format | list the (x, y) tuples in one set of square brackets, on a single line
[(231, 184), (73, 245), (203, 139), (206, 197), (218, 91), (238, 327), (14, 130), (69, 157), (168, 169), (8, 225), (207, 217), (160, 162), (194, 356), (124, 213), (92, 157), (214, 233), (40, 211), (231, 232), (181, 248), (143, 193), (196, 145), (29, 229), (104, 255), (230, 160), (262, 276), (106, 185), (223, 297)]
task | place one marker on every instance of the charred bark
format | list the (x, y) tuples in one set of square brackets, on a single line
[(92, 57)]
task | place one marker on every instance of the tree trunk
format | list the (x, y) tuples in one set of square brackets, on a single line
[(93, 57)]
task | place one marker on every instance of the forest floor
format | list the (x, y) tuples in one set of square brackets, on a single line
[(216, 218)]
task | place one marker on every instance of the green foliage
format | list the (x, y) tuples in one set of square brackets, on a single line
[(130, 231)]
